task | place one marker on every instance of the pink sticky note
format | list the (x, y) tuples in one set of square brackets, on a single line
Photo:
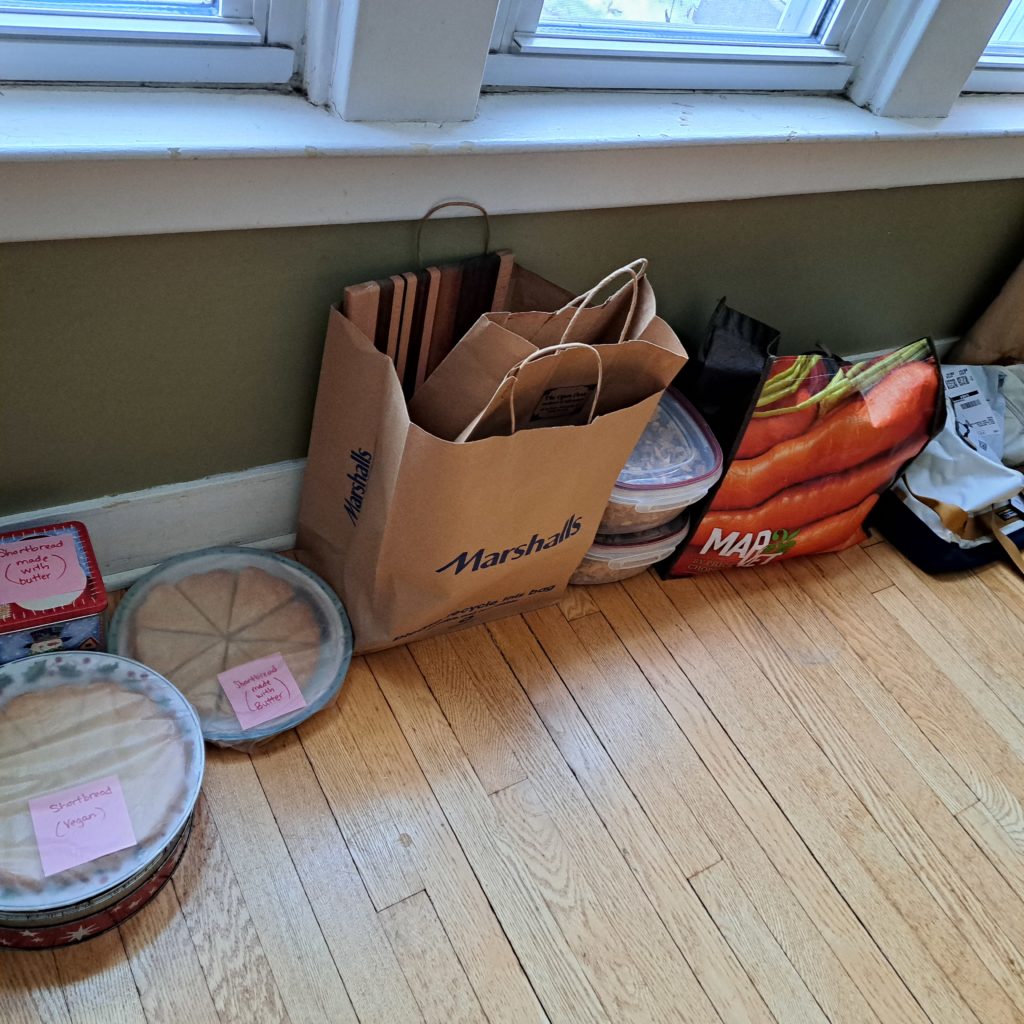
[(40, 568), (261, 690), (76, 825)]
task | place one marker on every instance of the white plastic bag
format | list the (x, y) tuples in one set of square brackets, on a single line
[(960, 474)]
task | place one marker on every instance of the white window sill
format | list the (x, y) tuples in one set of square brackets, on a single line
[(92, 162)]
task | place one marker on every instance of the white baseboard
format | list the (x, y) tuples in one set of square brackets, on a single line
[(134, 532)]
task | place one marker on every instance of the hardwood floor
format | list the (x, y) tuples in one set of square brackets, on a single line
[(790, 794)]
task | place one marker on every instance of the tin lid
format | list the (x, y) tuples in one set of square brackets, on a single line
[(623, 550), (675, 450), (48, 573), (240, 622), (68, 723)]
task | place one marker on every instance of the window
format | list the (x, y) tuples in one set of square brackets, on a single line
[(398, 60), (1008, 37), (898, 59), (1001, 68), (665, 19), (699, 44), (150, 41)]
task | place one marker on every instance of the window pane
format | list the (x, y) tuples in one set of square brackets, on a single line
[(673, 18), (122, 8), (1009, 34)]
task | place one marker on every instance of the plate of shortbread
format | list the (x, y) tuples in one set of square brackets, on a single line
[(199, 617)]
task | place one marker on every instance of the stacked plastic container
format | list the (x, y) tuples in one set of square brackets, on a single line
[(675, 463)]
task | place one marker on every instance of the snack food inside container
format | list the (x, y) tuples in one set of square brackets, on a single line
[(674, 464), (618, 556)]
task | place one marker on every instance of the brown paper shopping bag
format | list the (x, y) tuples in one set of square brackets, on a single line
[(420, 534), (638, 351)]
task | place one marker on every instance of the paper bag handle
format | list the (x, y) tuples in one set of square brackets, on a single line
[(636, 270), (561, 347), (441, 206), (510, 377)]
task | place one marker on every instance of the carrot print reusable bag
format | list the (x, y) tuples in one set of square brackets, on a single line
[(819, 440)]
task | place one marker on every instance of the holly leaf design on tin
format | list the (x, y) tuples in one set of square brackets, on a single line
[(35, 671)]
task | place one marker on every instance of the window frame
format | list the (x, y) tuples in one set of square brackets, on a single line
[(263, 49), (521, 58), (882, 55), (1000, 69)]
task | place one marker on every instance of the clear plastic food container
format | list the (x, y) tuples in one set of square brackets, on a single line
[(257, 643), (619, 556), (675, 463)]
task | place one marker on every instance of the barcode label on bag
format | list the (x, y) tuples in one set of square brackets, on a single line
[(976, 421)]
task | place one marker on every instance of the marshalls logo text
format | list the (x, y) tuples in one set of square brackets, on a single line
[(484, 559), (360, 477)]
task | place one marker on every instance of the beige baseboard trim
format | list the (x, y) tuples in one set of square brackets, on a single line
[(135, 531)]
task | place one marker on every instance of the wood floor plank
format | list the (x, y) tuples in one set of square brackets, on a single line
[(980, 621), (166, 969), (871, 575), (304, 971), (927, 694), (937, 861), (348, 920), (695, 934), (1003, 582), (554, 971), (237, 971), (975, 618), (1005, 853), (857, 855), (833, 647), (649, 751), (20, 1007), (359, 804), (461, 905), (381, 853), (641, 943), (577, 603), (30, 989), (972, 684), (763, 958), (810, 921), (435, 975), (631, 988), (1005, 801), (480, 734), (97, 982), (813, 796)]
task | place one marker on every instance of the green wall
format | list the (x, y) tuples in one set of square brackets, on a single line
[(131, 362)]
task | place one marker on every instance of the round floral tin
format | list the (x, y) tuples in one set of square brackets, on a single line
[(91, 918), (101, 760)]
